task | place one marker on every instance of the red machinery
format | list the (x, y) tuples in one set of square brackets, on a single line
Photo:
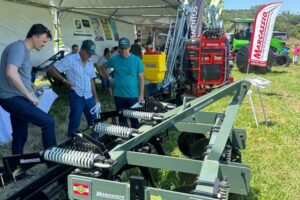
[(206, 63)]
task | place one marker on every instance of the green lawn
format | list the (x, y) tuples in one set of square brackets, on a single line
[(273, 152)]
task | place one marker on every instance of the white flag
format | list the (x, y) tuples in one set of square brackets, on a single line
[(262, 33)]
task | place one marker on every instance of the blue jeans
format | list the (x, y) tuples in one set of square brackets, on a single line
[(23, 111), (105, 82), (79, 105), (122, 103)]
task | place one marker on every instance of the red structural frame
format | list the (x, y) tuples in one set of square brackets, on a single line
[(211, 51)]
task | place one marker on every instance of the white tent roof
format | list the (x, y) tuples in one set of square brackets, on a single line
[(132, 11)]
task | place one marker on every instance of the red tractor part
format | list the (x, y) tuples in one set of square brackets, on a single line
[(206, 63)]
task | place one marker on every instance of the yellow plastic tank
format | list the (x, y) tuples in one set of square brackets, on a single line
[(154, 66)]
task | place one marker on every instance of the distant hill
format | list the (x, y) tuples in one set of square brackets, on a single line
[(285, 21)]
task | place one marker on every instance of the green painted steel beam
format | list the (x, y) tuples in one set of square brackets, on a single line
[(180, 113), (237, 173)]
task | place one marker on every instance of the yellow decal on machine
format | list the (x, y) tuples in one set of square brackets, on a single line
[(154, 197)]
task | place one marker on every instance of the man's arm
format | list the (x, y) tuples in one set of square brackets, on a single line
[(141, 86), (14, 77), (94, 91), (53, 71)]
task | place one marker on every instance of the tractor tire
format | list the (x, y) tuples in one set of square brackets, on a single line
[(192, 145), (242, 62), (283, 60)]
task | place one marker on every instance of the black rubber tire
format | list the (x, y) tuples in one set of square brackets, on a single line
[(283, 60), (242, 62), (187, 141)]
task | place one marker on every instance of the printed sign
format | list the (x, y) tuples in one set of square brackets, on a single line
[(114, 29), (262, 33), (82, 27), (106, 28), (97, 28)]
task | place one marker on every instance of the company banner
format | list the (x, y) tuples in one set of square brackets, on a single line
[(196, 16), (97, 28), (106, 28), (114, 29), (262, 33)]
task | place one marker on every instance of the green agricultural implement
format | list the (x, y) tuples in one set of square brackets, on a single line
[(97, 169), (242, 31)]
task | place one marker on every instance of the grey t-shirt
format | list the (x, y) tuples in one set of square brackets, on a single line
[(16, 54)]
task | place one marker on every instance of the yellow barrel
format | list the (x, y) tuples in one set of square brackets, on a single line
[(154, 66)]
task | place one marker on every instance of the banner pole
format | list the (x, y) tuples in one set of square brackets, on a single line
[(248, 68)]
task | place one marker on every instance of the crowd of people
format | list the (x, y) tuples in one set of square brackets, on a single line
[(77, 72)]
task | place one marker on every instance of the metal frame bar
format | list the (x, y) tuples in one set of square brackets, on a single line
[(211, 168)]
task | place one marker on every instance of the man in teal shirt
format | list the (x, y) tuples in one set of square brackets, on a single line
[(128, 72)]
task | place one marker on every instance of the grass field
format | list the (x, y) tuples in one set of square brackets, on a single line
[(272, 152)]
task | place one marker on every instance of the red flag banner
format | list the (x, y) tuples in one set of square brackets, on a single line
[(81, 189), (262, 33)]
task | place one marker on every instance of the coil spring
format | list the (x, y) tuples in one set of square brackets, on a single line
[(138, 114), (228, 151), (228, 148), (70, 157), (79, 145), (119, 131), (224, 190)]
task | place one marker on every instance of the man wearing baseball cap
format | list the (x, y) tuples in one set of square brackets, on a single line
[(128, 87), (80, 74)]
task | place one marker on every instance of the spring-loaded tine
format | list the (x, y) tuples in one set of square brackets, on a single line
[(71, 157), (102, 165), (134, 134), (158, 116), (135, 130), (119, 131)]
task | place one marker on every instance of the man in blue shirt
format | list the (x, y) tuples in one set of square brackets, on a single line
[(80, 73), (128, 87)]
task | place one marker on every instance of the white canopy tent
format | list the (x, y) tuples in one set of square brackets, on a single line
[(120, 18), (131, 11)]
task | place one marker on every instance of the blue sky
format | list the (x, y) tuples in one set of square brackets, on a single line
[(291, 5)]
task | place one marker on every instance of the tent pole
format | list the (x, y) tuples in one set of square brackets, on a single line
[(56, 25)]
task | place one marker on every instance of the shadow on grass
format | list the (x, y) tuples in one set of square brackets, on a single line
[(270, 123), (279, 72), (271, 94), (253, 195)]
